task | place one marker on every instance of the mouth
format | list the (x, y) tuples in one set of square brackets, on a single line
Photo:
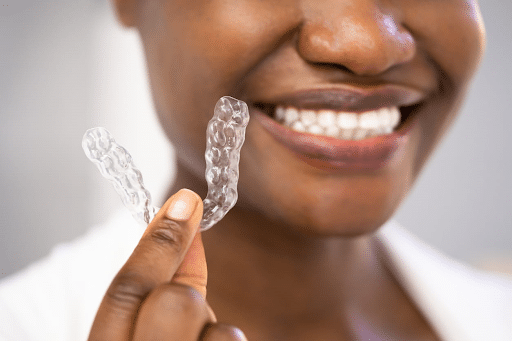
[(343, 128), (340, 124)]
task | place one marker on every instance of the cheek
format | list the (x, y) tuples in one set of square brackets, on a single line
[(451, 33), (237, 35), (452, 37), (198, 51), (216, 42)]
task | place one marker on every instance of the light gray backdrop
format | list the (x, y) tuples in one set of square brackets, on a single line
[(66, 66)]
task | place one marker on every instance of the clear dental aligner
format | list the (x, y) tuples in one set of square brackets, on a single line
[(116, 165), (225, 136)]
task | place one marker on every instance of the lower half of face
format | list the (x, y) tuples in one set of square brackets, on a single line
[(347, 98), (314, 196)]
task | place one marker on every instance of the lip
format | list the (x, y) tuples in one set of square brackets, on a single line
[(348, 98), (336, 155), (331, 154)]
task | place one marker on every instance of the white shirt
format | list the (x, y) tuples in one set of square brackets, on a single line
[(57, 298)]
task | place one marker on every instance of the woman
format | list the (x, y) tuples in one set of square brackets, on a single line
[(302, 255)]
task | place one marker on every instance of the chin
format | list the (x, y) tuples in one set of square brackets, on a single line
[(343, 216), (352, 227)]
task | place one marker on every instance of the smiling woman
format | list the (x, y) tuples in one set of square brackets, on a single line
[(348, 99), (302, 55)]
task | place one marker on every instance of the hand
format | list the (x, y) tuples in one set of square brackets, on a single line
[(159, 294)]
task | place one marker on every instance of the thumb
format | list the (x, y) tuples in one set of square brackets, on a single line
[(154, 262)]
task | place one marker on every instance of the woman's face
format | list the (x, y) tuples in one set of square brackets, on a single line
[(327, 60)]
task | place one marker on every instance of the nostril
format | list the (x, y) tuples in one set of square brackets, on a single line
[(333, 66), (364, 44)]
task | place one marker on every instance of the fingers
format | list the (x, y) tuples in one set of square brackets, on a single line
[(172, 312), (154, 262), (192, 271), (177, 312)]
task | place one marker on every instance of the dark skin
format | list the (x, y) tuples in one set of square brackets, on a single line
[(296, 259)]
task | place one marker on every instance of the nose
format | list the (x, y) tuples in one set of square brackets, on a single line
[(353, 34)]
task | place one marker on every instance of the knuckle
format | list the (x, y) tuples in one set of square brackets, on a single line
[(127, 290), (181, 299), (168, 233)]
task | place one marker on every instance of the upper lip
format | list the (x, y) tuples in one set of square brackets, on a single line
[(349, 98)]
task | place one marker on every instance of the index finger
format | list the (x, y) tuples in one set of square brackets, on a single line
[(154, 261)]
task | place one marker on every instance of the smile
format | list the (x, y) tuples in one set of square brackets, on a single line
[(343, 129), (339, 124)]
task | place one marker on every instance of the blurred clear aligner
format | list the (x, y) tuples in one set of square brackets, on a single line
[(225, 136)]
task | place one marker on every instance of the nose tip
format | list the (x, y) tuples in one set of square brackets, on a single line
[(365, 45)]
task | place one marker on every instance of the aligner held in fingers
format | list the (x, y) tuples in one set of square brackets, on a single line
[(225, 136)]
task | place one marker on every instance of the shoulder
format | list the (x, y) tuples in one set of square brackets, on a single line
[(57, 297), (462, 302)]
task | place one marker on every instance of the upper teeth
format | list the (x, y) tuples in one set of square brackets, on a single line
[(342, 125)]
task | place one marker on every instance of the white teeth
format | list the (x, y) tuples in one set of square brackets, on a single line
[(308, 117), (290, 115), (347, 120), (280, 114), (326, 118), (374, 132), (315, 129), (384, 115), (298, 126), (346, 134), (395, 116), (332, 131), (388, 130), (369, 120), (360, 134), (342, 125)]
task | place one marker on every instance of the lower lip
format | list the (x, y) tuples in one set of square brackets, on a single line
[(331, 154)]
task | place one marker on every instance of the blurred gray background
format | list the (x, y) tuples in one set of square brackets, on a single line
[(66, 66)]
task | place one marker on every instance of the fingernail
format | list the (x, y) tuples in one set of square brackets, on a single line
[(183, 205)]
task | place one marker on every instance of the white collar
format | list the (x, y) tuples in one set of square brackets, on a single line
[(461, 303)]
